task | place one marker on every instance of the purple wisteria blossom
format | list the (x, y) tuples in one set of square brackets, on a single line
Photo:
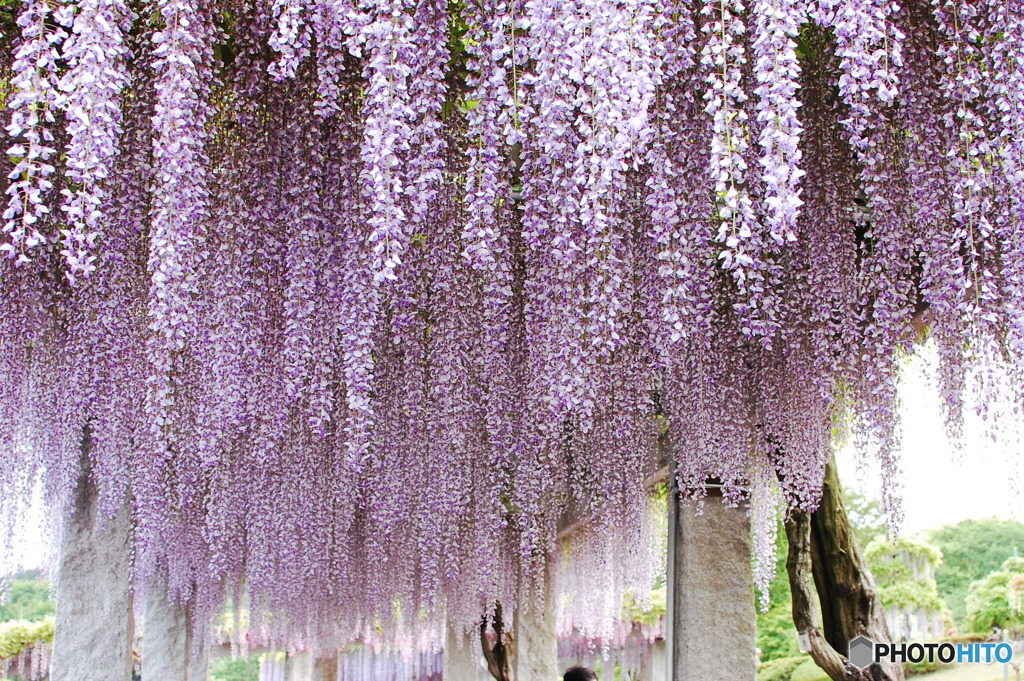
[(382, 292), (34, 103), (96, 53)]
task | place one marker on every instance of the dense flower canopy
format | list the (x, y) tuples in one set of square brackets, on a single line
[(358, 300)]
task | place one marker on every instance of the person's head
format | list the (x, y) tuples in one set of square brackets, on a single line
[(579, 674)]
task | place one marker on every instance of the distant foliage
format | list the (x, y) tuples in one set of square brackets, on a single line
[(923, 667), (650, 613), (776, 634), (780, 669), (1015, 588), (16, 636), (970, 550), (867, 517), (27, 600), (246, 668), (904, 571), (991, 602)]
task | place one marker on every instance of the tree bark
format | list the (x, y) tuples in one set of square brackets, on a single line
[(498, 657), (825, 565)]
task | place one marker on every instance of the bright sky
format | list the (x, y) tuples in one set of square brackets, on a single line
[(31, 541), (938, 489)]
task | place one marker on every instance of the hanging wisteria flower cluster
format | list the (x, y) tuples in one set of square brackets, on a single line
[(629, 652), (356, 301), (362, 664)]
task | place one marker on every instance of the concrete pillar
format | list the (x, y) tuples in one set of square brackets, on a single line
[(199, 663), (658, 668), (652, 665), (94, 626), (167, 650), (271, 669), (461, 652), (298, 667), (535, 649), (714, 618), (302, 666)]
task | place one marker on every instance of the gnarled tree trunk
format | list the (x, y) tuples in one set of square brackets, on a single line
[(498, 656), (826, 565)]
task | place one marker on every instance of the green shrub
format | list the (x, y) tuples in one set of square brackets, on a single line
[(650, 613), (776, 635), (808, 671), (972, 549), (780, 669), (16, 636), (236, 669), (966, 638), (989, 600), (923, 667), (803, 668)]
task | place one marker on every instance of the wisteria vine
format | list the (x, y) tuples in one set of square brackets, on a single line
[(356, 301)]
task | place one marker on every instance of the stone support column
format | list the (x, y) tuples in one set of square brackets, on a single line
[(652, 665), (714, 617), (272, 669), (535, 638), (167, 650), (94, 625), (303, 666), (461, 655), (658, 666), (298, 667)]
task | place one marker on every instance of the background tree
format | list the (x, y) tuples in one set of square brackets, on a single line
[(971, 549), (867, 518), (776, 635), (28, 598), (904, 570), (990, 603)]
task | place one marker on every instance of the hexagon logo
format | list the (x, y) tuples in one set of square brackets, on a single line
[(862, 652)]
